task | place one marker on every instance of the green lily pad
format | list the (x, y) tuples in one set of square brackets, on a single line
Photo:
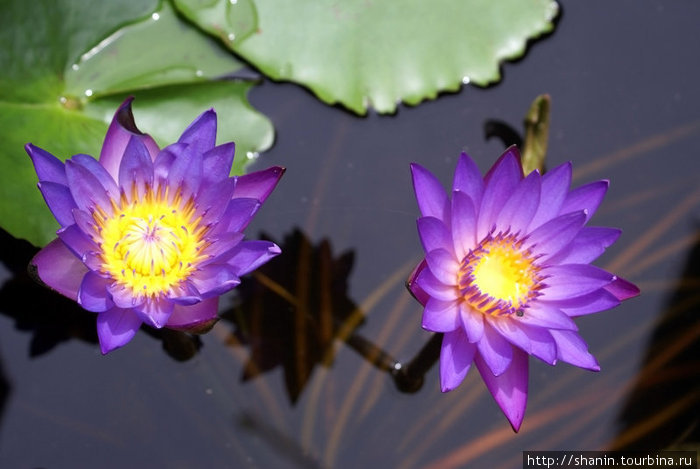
[(66, 70), (368, 53)]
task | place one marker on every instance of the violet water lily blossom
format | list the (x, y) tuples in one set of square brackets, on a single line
[(148, 235), (507, 267)]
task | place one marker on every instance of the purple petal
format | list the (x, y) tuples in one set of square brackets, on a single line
[(456, 355), (59, 269), (124, 297), (435, 288), (441, 316), (86, 189), (214, 280), (213, 200), (155, 311), (101, 174), (571, 280), (555, 235), (77, 241), (201, 133), (443, 266), (431, 196), (586, 197), (622, 289), (594, 302), (136, 168), (239, 213), (93, 295), (495, 350), (518, 211), (463, 224), (532, 340), (186, 171), (116, 327), (48, 168), (510, 389), (59, 200), (572, 349), (473, 323), (555, 187), (85, 222), (249, 255), (587, 246), (164, 161), (196, 318), (501, 180), (221, 246), (413, 286), (259, 184), (217, 162), (467, 179), (120, 132), (546, 315), (434, 234)]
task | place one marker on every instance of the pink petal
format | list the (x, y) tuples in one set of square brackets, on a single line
[(249, 255), (435, 288), (155, 311), (214, 280), (622, 289), (587, 246), (217, 162), (59, 269)]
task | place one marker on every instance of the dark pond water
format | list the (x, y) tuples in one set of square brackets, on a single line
[(274, 384)]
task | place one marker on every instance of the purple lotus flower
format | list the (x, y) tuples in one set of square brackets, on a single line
[(150, 235), (507, 266)]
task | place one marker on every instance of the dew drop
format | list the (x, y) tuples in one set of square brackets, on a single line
[(88, 93), (465, 80), (231, 37), (199, 73), (75, 67), (251, 155), (155, 16)]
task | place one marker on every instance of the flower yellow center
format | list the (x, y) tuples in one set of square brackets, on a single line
[(499, 277), (150, 244)]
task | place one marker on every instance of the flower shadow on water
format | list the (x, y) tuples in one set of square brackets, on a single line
[(52, 318), (662, 409), (293, 309)]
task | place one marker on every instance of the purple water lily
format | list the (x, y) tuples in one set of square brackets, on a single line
[(148, 235), (507, 267)]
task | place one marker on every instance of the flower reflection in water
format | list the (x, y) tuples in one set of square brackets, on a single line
[(293, 310)]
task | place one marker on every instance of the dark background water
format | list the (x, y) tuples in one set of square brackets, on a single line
[(273, 385)]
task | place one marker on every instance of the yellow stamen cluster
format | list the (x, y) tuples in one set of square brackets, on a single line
[(499, 277), (150, 243)]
